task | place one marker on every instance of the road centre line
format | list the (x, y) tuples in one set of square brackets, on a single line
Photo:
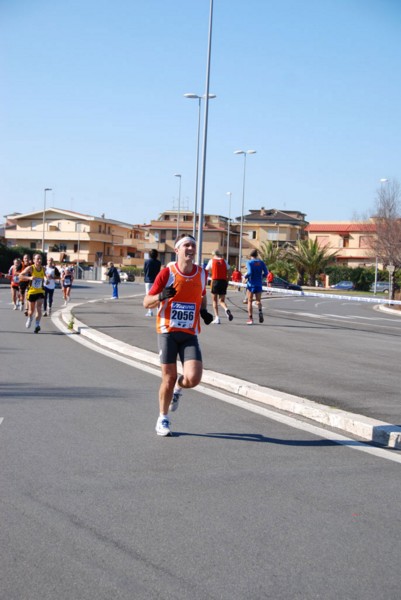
[(338, 317), (289, 421)]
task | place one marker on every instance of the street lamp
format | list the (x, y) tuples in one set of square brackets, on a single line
[(203, 178), (179, 204), (79, 246), (44, 216), (244, 152), (229, 194), (199, 98)]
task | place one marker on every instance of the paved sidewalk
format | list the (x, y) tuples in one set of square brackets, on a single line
[(230, 362)]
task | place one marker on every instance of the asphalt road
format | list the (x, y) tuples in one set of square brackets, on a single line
[(338, 353), (235, 505)]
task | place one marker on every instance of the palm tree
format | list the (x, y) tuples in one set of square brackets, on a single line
[(270, 253), (277, 261), (309, 259)]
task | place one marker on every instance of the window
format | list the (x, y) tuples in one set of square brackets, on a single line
[(322, 240), (365, 241), (156, 237), (162, 236), (33, 245), (63, 247)]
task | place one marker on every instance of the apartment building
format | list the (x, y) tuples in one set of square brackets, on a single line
[(69, 236), (351, 240), (272, 225), (162, 232)]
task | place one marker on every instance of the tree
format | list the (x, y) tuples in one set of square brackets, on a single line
[(310, 259), (386, 244), (276, 261)]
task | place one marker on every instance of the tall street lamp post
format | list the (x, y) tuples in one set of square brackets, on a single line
[(79, 246), (229, 194), (179, 203), (203, 173), (44, 217), (244, 152), (199, 98)]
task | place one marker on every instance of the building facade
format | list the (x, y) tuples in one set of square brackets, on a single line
[(353, 241), (162, 232), (271, 225), (73, 237)]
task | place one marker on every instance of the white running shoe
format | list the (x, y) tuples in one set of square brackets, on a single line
[(15, 307), (163, 426), (216, 321), (45, 314), (175, 400), (21, 306), (28, 322), (149, 313)]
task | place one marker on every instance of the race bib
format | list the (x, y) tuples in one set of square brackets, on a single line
[(182, 315), (67, 280), (16, 278), (37, 283)]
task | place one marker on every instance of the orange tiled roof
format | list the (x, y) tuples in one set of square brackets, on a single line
[(341, 227)]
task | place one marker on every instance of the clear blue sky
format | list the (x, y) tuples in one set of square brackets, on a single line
[(92, 106)]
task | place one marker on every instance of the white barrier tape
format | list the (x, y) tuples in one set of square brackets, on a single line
[(320, 295)]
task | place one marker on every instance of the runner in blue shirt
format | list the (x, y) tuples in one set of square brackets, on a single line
[(255, 271)]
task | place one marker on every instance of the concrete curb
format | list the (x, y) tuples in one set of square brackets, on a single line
[(371, 430)]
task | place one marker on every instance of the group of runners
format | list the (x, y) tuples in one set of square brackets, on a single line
[(33, 284), (179, 295), (177, 292)]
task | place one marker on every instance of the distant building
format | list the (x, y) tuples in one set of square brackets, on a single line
[(162, 232), (70, 236), (272, 225), (352, 240)]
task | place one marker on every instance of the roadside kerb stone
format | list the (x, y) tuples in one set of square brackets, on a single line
[(366, 428)]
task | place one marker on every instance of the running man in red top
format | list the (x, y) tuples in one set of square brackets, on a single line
[(179, 292), (218, 269)]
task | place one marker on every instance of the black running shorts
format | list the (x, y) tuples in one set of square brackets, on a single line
[(34, 297), (178, 343), (219, 287)]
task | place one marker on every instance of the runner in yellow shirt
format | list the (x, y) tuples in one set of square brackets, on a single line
[(35, 274)]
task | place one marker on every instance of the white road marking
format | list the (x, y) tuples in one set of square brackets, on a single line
[(383, 320), (260, 410)]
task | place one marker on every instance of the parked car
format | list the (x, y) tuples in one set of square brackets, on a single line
[(279, 282), (343, 285), (127, 276), (381, 286)]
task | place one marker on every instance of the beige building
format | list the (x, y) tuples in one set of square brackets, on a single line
[(272, 225), (351, 240), (161, 234), (69, 236)]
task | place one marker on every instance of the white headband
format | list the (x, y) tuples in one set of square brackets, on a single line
[(183, 240)]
